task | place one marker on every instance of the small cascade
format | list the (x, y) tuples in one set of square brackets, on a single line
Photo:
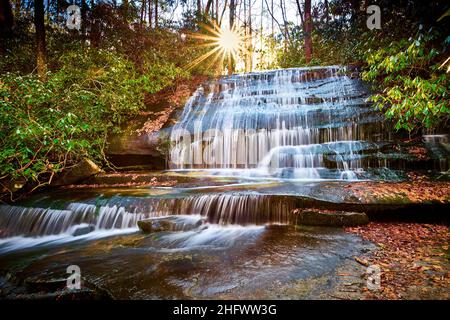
[(439, 147), (17, 221), (222, 209)]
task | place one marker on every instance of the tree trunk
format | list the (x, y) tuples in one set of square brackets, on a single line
[(246, 65), (232, 16), (6, 23), (276, 21), (285, 25), (199, 8), (232, 13), (125, 7), (150, 13), (83, 19), (355, 10), (142, 17), (308, 32), (41, 55), (156, 14), (249, 38), (217, 11), (273, 18), (223, 12), (299, 7), (208, 7)]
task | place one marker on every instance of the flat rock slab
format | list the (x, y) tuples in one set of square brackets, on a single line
[(312, 217)]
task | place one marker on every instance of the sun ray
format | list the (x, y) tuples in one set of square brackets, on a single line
[(224, 44), (202, 58)]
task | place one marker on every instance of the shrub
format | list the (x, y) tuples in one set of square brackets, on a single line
[(414, 87), (47, 126)]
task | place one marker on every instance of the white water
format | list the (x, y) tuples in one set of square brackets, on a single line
[(216, 208), (23, 242), (295, 124), (300, 123), (16, 220), (214, 236)]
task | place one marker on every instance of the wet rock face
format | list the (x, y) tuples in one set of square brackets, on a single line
[(313, 217), (140, 150), (300, 123)]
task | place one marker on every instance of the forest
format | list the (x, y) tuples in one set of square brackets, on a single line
[(63, 91), (224, 149)]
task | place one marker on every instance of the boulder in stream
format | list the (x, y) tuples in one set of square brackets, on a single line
[(316, 217), (83, 229), (171, 223)]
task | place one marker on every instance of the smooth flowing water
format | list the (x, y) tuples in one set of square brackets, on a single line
[(301, 124), (262, 142)]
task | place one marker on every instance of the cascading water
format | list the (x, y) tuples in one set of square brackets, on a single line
[(270, 128), (311, 123), (216, 208)]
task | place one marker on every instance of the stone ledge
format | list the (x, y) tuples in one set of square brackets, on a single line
[(316, 217)]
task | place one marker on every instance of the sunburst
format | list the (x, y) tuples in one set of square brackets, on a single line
[(223, 43)]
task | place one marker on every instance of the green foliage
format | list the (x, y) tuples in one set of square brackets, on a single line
[(96, 83), (46, 126), (414, 89), (410, 85)]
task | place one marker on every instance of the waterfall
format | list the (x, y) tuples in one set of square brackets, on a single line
[(303, 123), (29, 221), (285, 125), (243, 209)]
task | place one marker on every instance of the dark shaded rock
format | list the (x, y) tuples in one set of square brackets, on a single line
[(39, 288), (354, 75), (151, 225), (330, 218), (65, 294), (134, 144), (173, 223), (137, 162), (7, 186), (136, 150), (81, 171), (82, 230), (37, 284)]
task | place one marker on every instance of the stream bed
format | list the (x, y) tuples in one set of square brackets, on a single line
[(220, 262)]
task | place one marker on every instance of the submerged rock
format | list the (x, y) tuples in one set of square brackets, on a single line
[(151, 225), (172, 223), (37, 284), (65, 294), (314, 217), (38, 288), (82, 230)]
